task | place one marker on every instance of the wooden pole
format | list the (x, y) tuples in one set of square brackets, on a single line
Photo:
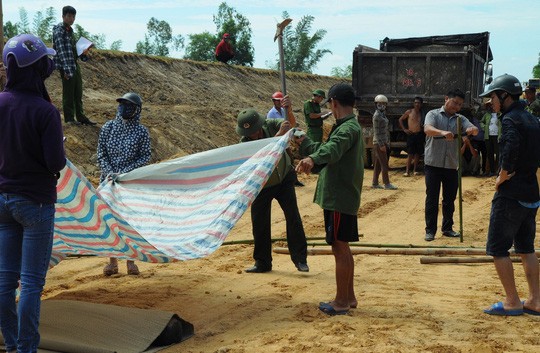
[(461, 260), (279, 36), (375, 251)]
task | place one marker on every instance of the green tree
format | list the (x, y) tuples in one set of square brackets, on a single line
[(24, 25), (228, 20), (536, 68), (43, 24), (158, 39), (10, 29), (342, 72), (300, 48), (116, 45), (201, 46)]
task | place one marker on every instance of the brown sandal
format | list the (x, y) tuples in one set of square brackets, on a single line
[(110, 269)]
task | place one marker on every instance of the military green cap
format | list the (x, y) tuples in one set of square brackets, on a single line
[(249, 122), (319, 92)]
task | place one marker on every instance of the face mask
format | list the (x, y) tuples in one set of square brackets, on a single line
[(381, 107), (127, 111)]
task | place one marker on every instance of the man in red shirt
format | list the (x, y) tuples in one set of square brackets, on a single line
[(224, 50)]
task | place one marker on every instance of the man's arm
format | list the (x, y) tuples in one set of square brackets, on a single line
[(402, 118)]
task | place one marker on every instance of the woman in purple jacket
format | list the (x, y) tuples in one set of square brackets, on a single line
[(31, 157)]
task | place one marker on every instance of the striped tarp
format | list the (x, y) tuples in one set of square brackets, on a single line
[(179, 209)]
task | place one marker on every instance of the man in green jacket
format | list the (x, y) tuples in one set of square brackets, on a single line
[(280, 186), (338, 190), (314, 117)]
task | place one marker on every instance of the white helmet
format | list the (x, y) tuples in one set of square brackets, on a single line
[(381, 99)]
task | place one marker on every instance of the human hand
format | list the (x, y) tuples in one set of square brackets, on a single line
[(112, 176), (286, 102), (473, 130), (305, 165), (448, 135), (502, 177), (285, 126)]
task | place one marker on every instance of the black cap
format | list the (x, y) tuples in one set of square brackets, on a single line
[(530, 88), (342, 92)]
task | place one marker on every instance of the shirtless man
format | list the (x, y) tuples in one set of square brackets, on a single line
[(415, 135)]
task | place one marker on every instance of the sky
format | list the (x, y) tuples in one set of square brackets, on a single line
[(513, 25)]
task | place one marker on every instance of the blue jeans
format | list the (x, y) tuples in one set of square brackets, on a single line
[(26, 237)]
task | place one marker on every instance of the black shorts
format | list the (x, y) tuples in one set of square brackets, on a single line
[(415, 143), (510, 224), (340, 226)]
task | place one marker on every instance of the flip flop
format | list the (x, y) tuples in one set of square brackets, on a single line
[(353, 306), (498, 309), (530, 311), (329, 310)]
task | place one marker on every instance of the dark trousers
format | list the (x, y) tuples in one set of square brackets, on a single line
[(493, 154), (435, 177), (72, 97), (480, 146), (224, 57), (285, 194)]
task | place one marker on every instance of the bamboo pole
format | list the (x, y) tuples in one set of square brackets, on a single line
[(461, 260), (251, 241), (387, 251), (399, 246), (460, 188)]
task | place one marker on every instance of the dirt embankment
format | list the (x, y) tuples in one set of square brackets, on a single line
[(188, 106)]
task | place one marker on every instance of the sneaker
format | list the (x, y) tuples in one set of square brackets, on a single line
[(390, 187), (406, 174), (88, 122), (377, 186), (302, 267), (429, 236), (73, 122), (416, 173)]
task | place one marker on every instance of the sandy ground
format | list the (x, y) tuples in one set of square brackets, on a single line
[(404, 306)]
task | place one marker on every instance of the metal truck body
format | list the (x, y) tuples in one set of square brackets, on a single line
[(427, 67)]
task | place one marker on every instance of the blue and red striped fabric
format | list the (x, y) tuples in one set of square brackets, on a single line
[(179, 209)]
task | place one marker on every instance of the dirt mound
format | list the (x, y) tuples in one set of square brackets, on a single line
[(188, 106)]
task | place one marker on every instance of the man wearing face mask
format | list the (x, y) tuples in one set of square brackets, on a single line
[(31, 157), (123, 145), (381, 144)]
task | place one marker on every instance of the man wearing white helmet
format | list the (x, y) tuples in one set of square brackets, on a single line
[(381, 145)]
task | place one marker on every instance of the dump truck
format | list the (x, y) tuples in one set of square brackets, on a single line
[(428, 67)]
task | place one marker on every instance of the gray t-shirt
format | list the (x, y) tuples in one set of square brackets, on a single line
[(440, 152)]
